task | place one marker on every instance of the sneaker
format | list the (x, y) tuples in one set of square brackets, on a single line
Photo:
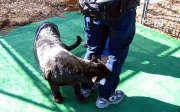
[(86, 92), (115, 98)]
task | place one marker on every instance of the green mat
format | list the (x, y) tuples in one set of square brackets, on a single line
[(150, 76)]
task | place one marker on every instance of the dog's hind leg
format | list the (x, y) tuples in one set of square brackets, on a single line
[(56, 93), (78, 94)]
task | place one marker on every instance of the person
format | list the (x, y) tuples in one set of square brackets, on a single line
[(96, 36)]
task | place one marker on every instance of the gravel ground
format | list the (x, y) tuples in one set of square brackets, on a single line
[(163, 15)]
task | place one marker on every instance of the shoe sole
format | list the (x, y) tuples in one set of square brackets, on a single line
[(109, 103)]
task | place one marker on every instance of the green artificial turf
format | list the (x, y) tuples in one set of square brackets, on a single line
[(150, 76)]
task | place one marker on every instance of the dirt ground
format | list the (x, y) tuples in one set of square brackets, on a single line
[(15, 13), (163, 15)]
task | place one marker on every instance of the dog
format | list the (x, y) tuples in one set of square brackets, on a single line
[(60, 67), (72, 5)]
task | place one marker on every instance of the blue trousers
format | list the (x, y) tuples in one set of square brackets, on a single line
[(96, 37), (106, 49)]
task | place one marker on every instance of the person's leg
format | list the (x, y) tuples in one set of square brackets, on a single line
[(106, 49), (118, 50), (96, 39), (105, 53)]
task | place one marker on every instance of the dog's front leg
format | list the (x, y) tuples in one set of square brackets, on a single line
[(78, 94)]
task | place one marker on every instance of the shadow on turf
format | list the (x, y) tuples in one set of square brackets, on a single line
[(128, 104), (33, 77), (144, 56), (24, 99), (146, 104)]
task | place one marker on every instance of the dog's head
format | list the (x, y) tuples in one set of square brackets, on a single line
[(97, 70)]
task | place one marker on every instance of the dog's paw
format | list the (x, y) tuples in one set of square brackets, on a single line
[(58, 100), (81, 98)]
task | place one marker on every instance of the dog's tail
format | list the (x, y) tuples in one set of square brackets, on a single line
[(71, 47)]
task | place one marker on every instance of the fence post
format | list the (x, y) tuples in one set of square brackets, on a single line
[(145, 9)]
